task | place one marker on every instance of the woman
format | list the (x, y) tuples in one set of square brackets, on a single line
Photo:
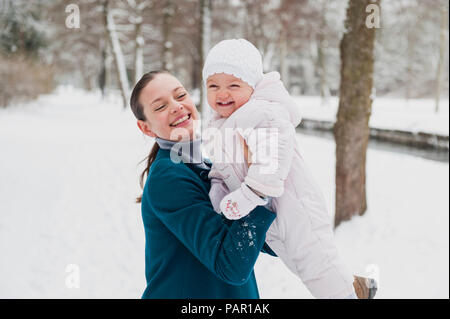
[(191, 251)]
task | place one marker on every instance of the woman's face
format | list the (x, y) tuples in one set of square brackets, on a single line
[(169, 110)]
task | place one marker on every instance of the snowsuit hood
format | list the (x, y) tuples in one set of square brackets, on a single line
[(271, 88)]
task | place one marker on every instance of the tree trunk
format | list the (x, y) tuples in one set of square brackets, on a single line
[(352, 127), (442, 45), (412, 36), (102, 74), (322, 72), (321, 56), (409, 67), (204, 46), (104, 47), (118, 56), (168, 13), (138, 52), (284, 63)]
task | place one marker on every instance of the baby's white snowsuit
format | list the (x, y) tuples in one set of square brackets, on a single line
[(302, 234)]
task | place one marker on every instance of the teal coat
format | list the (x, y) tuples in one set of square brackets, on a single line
[(191, 251)]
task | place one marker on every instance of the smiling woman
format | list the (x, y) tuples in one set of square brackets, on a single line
[(191, 251), (166, 105)]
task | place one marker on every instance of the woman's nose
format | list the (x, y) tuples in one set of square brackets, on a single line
[(176, 106)]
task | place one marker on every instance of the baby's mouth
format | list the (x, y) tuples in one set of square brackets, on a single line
[(225, 104)]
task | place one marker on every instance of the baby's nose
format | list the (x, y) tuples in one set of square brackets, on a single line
[(223, 93)]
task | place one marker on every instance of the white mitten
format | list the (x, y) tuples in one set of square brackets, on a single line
[(217, 193), (240, 203)]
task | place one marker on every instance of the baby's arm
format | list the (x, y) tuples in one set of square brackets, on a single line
[(217, 192), (269, 154), (236, 204), (271, 148)]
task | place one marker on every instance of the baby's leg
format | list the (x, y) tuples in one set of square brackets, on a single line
[(307, 248)]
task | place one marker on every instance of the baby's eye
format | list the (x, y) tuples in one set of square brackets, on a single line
[(212, 86), (235, 86)]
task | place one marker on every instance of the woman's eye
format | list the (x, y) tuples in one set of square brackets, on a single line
[(182, 96), (159, 108), (212, 86)]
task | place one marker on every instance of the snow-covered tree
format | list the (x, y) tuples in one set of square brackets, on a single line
[(205, 45), (299, 38), (24, 70), (408, 46), (21, 28), (443, 52)]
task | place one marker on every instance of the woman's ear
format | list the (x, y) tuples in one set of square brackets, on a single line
[(145, 128)]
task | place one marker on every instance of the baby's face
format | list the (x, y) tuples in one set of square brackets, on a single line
[(227, 93)]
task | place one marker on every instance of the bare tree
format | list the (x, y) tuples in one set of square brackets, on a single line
[(137, 20), (117, 49), (442, 47), (205, 44), (321, 53), (352, 127), (168, 15)]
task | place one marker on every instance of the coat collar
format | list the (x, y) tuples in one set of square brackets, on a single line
[(189, 152)]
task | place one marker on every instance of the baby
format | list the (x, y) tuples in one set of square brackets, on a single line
[(262, 117)]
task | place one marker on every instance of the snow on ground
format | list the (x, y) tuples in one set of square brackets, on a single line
[(417, 115), (402, 240), (69, 176)]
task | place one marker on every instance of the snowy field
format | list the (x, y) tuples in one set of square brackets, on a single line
[(415, 116), (69, 176)]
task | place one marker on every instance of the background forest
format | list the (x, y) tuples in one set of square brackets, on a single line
[(41, 42)]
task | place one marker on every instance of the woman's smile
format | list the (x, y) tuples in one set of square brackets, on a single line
[(182, 121)]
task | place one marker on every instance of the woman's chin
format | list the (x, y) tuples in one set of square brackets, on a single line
[(182, 134)]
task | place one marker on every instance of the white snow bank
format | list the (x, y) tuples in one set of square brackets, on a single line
[(415, 116)]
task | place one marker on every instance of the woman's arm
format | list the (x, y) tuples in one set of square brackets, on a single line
[(228, 249)]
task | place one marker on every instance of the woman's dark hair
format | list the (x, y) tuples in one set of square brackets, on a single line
[(138, 111)]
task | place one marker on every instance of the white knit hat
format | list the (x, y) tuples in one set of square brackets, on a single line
[(236, 57)]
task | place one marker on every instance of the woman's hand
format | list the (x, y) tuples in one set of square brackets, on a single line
[(248, 159), (247, 153)]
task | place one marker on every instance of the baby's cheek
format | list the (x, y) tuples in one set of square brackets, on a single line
[(210, 100), (240, 104)]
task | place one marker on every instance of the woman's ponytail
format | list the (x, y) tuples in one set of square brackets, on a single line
[(150, 159)]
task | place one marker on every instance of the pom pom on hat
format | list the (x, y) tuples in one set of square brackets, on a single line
[(236, 57)]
